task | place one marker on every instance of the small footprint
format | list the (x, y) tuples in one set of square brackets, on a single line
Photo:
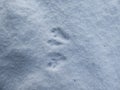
[(56, 56), (59, 37), (59, 32), (52, 64), (54, 42), (56, 59)]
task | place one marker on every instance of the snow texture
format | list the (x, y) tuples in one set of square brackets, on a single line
[(59, 44)]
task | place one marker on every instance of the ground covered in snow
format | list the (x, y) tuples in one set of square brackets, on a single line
[(59, 44)]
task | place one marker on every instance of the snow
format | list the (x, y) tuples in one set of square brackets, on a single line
[(59, 44)]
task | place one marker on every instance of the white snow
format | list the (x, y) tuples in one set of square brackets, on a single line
[(59, 44)]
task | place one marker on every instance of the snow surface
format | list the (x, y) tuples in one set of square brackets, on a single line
[(59, 44)]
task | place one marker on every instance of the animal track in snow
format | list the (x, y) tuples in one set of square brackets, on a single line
[(59, 37), (59, 32), (54, 42), (56, 56), (55, 59)]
